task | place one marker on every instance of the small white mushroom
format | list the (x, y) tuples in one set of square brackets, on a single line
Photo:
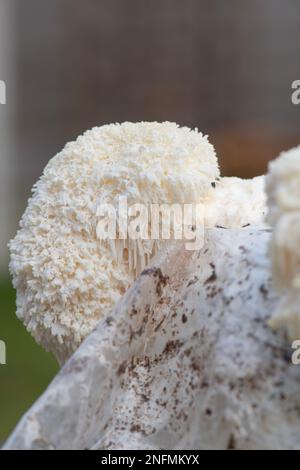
[(283, 188), (236, 203)]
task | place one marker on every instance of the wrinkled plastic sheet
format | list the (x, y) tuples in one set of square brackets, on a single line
[(185, 361)]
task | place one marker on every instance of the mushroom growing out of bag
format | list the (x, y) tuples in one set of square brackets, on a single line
[(179, 353), (66, 280)]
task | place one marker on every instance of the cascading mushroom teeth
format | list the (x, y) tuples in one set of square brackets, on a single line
[(66, 280)]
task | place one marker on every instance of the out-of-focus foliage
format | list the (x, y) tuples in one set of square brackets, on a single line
[(28, 369)]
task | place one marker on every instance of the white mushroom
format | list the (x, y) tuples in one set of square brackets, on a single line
[(185, 359), (283, 188), (236, 203), (66, 280)]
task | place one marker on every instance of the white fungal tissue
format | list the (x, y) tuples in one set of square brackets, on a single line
[(236, 203), (66, 280), (283, 188)]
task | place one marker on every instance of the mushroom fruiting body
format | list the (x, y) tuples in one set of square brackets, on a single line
[(65, 278), (184, 360), (236, 203), (283, 188)]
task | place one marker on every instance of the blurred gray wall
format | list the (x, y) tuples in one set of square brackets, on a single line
[(225, 67), (207, 63), (7, 163)]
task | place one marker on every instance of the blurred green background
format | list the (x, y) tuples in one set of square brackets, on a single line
[(29, 368)]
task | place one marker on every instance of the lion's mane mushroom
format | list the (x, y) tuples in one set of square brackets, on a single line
[(66, 280), (283, 189)]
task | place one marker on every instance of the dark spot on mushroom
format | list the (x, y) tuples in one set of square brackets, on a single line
[(172, 347), (263, 290), (213, 276), (109, 320), (231, 443), (159, 324), (137, 428), (192, 281), (122, 368), (161, 279), (195, 365)]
